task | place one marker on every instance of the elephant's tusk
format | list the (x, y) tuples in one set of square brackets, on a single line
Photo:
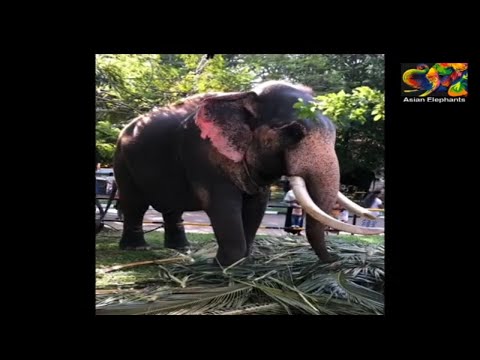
[(357, 209), (300, 190)]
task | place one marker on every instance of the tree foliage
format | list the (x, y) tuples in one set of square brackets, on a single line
[(106, 135), (323, 73), (359, 70), (359, 119)]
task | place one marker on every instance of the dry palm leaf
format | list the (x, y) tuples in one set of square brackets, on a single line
[(283, 276)]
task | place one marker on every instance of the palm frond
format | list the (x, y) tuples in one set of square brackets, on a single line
[(283, 276), (364, 296), (190, 301), (255, 309)]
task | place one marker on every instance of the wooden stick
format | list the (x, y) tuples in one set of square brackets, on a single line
[(139, 263)]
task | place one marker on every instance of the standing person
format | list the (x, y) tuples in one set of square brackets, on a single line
[(296, 211), (297, 215), (372, 201), (343, 216), (97, 167)]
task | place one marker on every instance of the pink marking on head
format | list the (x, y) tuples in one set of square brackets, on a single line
[(211, 131)]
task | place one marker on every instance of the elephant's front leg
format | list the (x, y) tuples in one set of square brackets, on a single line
[(225, 214), (252, 213)]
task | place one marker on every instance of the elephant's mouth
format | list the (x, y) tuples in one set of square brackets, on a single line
[(303, 197)]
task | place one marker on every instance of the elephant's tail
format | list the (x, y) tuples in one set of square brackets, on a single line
[(110, 199)]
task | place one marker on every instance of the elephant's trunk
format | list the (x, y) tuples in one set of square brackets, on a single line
[(315, 179)]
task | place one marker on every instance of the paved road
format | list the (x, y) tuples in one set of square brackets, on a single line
[(269, 220)]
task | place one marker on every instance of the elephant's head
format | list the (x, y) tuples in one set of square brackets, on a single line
[(261, 130)]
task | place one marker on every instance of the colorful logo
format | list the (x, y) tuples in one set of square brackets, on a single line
[(440, 79)]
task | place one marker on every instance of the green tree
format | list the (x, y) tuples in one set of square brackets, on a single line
[(359, 117), (359, 70), (106, 137), (309, 69), (324, 73)]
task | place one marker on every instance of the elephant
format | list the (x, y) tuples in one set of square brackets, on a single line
[(220, 152)]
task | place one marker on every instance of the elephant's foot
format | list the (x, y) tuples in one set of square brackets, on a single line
[(134, 241), (248, 260), (328, 258), (182, 249), (224, 258), (175, 237), (177, 242), (129, 246), (249, 250)]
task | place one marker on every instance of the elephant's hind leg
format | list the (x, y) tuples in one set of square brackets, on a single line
[(175, 237), (132, 236), (133, 206)]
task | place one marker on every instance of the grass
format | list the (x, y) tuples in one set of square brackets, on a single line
[(108, 254), (283, 276), (364, 239)]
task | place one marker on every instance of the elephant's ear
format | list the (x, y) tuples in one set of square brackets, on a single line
[(227, 121)]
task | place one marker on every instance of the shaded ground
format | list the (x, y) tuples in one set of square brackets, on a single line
[(269, 220)]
